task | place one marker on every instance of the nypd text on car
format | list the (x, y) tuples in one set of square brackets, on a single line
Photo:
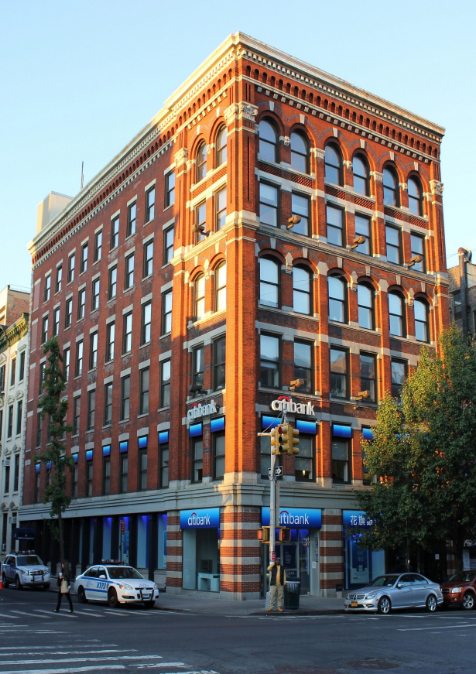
[(115, 584), (25, 569)]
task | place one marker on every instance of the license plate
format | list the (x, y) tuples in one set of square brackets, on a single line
[(354, 604)]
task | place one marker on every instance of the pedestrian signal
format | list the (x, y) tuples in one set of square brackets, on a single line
[(284, 535), (291, 441), (263, 534)]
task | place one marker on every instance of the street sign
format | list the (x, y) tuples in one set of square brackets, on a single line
[(278, 471), (273, 556)]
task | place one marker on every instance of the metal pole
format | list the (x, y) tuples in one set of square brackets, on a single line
[(272, 510)]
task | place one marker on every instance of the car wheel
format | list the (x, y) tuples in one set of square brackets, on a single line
[(82, 595), (46, 586), (431, 603), (5, 582), (384, 606), (18, 584), (112, 599), (468, 601), (149, 604)]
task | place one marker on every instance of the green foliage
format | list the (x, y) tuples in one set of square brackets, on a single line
[(424, 454)]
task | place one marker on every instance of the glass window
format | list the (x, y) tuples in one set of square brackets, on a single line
[(142, 470), (200, 222), (110, 341), (219, 359), (97, 246), (76, 414), (198, 369), (392, 238), (13, 369), (69, 313), (368, 375), (415, 202), (164, 465), (333, 165), (167, 312), (91, 409), (144, 391), (169, 189), (127, 342), (19, 416), (131, 219), (200, 298), (95, 295), (197, 457), (66, 363), (340, 460), (300, 207), (339, 373), (302, 290), (71, 266), (270, 348), (168, 245), (363, 228), (22, 366), (106, 475), (114, 232), (44, 329), (303, 365), (84, 258), (56, 321), (81, 303), (220, 209), (129, 280), (79, 358), (221, 146), (395, 310), (201, 162), (146, 322), (268, 141), (335, 225), (420, 309), (337, 299), (124, 473), (390, 194), (361, 175), (365, 299), (108, 404), (219, 455), (148, 258), (93, 350), (220, 290), (418, 248), (165, 383), (269, 282), (268, 204), (303, 463), (10, 422), (150, 204), (112, 290), (2, 378), (299, 152), (47, 294), (125, 397), (59, 278), (399, 373)]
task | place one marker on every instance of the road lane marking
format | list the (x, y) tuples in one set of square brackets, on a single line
[(439, 627), (105, 650), (108, 659), (65, 670)]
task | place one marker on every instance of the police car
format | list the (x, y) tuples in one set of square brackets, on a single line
[(115, 584), (25, 569)]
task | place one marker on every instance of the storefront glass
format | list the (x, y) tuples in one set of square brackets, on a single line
[(361, 566), (200, 549)]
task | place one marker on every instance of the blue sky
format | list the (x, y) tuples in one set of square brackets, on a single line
[(80, 79)]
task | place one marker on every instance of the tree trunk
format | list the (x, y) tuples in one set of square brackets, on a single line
[(61, 536)]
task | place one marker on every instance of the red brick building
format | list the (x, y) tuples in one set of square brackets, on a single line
[(272, 222)]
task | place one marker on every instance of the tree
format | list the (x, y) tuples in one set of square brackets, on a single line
[(423, 454), (54, 408)]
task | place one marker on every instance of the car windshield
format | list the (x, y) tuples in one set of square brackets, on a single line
[(463, 577), (29, 560), (121, 572), (384, 581)]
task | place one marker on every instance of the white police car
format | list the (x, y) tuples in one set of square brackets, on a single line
[(116, 584), (25, 569)]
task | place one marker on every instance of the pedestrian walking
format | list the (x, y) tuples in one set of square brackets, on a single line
[(64, 586), (277, 581)]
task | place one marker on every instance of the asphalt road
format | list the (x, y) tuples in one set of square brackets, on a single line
[(34, 640)]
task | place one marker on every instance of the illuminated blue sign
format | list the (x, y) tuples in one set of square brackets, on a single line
[(295, 518), (368, 434), (341, 431), (356, 518), (196, 430), (217, 424), (106, 450), (143, 441), (163, 437), (200, 518), (306, 426)]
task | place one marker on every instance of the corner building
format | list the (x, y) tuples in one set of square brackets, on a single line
[(188, 301)]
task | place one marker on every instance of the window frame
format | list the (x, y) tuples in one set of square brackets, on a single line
[(164, 461), (277, 285), (221, 149), (345, 375), (47, 290), (81, 303), (144, 391), (219, 212), (59, 278), (418, 321), (146, 326), (95, 294), (129, 272), (83, 263), (215, 437), (347, 462), (98, 246), (339, 167), (298, 476), (395, 387), (372, 398), (131, 219), (68, 318), (165, 380), (220, 290), (141, 472), (277, 209), (127, 334), (108, 401), (402, 318), (307, 218), (331, 226), (148, 259), (201, 163), (299, 369), (395, 203), (307, 293), (418, 266), (198, 375), (169, 189), (79, 365), (106, 475), (91, 415), (199, 286), (305, 140), (194, 442), (56, 321), (266, 142), (365, 179), (150, 206), (44, 328), (264, 360), (93, 350), (412, 200), (76, 415), (167, 315), (110, 343), (392, 245), (367, 237), (370, 309), (344, 302), (167, 248), (112, 283), (71, 267), (115, 232), (125, 397), (123, 472)]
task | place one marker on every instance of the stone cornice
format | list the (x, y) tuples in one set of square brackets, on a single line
[(14, 333)]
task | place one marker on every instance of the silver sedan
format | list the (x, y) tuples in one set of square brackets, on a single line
[(394, 591)]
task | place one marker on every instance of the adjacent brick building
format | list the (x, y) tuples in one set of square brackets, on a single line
[(271, 223)]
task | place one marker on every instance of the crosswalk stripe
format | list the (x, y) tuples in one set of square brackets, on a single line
[(32, 615), (122, 615), (107, 659), (5, 615), (65, 670), (105, 650)]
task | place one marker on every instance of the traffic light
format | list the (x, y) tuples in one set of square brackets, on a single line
[(263, 534), (284, 535), (278, 436), (291, 441)]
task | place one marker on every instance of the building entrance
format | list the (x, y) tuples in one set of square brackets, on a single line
[(300, 558)]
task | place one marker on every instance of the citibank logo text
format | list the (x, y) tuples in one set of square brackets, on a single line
[(198, 521), (200, 410), (285, 519), (285, 404)]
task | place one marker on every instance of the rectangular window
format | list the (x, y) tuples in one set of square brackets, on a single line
[(111, 338), (300, 209), (340, 460), (167, 312), (44, 330), (399, 374), (270, 350), (146, 322), (218, 456), (219, 361), (13, 371), (268, 204), (142, 469), (59, 278), (95, 295), (418, 248), (37, 487), (16, 473), (392, 238), (144, 391), (66, 363), (114, 232), (131, 219), (125, 397), (106, 475), (19, 416), (22, 366), (39, 428), (76, 414), (6, 482), (368, 375), (81, 303), (129, 278), (148, 259), (124, 473), (198, 369), (150, 204), (93, 350), (42, 376), (303, 365), (69, 313), (304, 462), (112, 289), (363, 229), (169, 189), (2, 378), (47, 288), (79, 358), (75, 480), (200, 221), (335, 225), (168, 245), (164, 465), (197, 459), (89, 478), (220, 209), (97, 246), (71, 267), (165, 383), (84, 258), (91, 410), (127, 340), (108, 404), (339, 373)]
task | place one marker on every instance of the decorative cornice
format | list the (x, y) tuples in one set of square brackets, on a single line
[(14, 333), (436, 187)]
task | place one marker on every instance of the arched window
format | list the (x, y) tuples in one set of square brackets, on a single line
[(299, 152), (390, 193), (269, 282), (396, 314), (333, 165), (268, 141), (302, 290), (201, 162), (200, 298), (415, 203), (420, 308), (337, 299), (365, 301), (221, 146), (361, 175), (220, 287)]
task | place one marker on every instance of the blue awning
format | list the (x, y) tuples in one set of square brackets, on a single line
[(163, 437), (217, 424), (143, 440), (106, 450), (367, 434), (341, 431), (124, 446), (196, 430)]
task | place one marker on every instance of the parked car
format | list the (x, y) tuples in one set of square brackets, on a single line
[(394, 591), (460, 590), (115, 584), (25, 569)]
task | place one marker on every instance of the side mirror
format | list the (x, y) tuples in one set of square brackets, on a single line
[(399, 585), (102, 576)]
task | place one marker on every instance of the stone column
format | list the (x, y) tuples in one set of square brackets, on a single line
[(174, 553), (331, 552), (240, 553)]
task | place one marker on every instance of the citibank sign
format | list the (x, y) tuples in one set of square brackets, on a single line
[(286, 404), (295, 518), (202, 518), (198, 410)]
